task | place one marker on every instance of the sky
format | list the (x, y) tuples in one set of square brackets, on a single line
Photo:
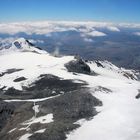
[(73, 10)]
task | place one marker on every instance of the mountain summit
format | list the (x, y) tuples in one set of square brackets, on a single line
[(22, 44)]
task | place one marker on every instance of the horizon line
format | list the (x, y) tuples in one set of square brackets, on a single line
[(78, 21)]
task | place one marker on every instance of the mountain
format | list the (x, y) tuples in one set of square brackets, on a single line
[(43, 96), (22, 44)]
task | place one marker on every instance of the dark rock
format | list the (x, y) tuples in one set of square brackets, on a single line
[(73, 104), (99, 64), (78, 66), (17, 44), (6, 110), (20, 79), (67, 109), (23, 111), (29, 43), (9, 71), (12, 91), (53, 83), (129, 76), (138, 96), (100, 88), (39, 48), (47, 85), (2, 88)]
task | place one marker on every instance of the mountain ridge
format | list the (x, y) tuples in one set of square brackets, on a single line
[(22, 44), (52, 96)]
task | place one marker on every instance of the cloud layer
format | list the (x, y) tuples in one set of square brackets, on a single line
[(87, 30), (46, 27)]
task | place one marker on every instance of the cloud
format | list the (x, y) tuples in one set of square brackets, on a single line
[(129, 25), (96, 34), (113, 28), (14, 28), (88, 40), (137, 33), (93, 34), (47, 27), (6, 41), (36, 41), (86, 29), (34, 27)]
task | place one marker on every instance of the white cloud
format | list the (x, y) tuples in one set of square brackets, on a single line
[(93, 34), (46, 27), (36, 41), (113, 28), (137, 33), (129, 25), (6, 41), (96, 33), (88, 40), (86, 29)]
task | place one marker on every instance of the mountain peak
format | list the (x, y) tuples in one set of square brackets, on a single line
[(22, 43)]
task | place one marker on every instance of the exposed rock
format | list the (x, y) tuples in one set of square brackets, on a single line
[(20, 79), (103, 89), (47, 85), (29, 43), (22, 112), (12, 91), (99, 64), (9, 71), (75, 103), (129, 76), (138, 96), (38, 48), (1, 89), (67, 109), (6, 110), (52, 82), (17, 44), (78, 66)]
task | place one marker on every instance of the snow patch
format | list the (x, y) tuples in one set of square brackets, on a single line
[(40, 131), (12, 130), (43, 119), (32, 100), (25, 136)]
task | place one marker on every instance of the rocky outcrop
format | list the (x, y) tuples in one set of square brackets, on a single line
[(10, 71), (99, 64), (78, 66), (138, 96), (6, 110), (20, 79)]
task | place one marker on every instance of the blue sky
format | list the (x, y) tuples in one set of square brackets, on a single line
[(97, 10)]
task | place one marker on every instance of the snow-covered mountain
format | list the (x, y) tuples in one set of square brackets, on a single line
[(46, 97), (21, 45)]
